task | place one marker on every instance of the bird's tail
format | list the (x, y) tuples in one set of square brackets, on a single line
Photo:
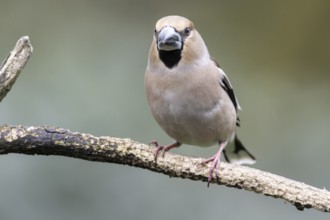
[(236, 153)]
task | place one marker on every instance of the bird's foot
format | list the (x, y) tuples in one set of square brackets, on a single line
[(163, 149), (215, 166)]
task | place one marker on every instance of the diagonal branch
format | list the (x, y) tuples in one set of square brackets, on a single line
[(47, 140), (13, 65)]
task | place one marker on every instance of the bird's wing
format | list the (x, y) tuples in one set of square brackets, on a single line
[(226, 85)]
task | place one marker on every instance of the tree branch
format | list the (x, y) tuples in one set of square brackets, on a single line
[(46, 140), (58, 141), (13, 65)]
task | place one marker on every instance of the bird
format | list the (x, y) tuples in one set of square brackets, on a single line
[(190, 96)]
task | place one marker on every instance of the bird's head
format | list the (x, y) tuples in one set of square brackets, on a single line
[(177, 41)]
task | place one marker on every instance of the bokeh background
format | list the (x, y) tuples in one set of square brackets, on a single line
[(86, 74)]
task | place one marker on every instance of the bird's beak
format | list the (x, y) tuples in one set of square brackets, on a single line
[(168, 39)]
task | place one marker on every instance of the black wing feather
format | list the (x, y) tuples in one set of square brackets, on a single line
[(225, 84)]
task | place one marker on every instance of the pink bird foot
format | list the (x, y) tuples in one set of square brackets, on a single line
[(163, 148), (215, 159)]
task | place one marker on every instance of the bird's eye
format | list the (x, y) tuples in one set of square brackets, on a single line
[(156, 33), (187, 31)]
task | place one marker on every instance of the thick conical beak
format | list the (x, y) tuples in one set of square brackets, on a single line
[(168, 39)]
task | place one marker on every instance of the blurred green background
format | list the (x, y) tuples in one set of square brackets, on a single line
[(86, 74)]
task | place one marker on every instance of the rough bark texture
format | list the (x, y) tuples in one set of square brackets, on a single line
[(58, 141), (46, 140)]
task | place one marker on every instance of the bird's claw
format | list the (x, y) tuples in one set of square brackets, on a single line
[(162, 149), (154, 142), (158, 149), (215, 166)]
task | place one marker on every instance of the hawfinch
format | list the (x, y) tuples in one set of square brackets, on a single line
[(189, 95)]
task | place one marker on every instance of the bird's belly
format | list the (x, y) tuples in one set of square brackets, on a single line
[(189, 122), (193, 132)]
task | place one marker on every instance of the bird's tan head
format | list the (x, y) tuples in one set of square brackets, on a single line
[(176, 40)]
